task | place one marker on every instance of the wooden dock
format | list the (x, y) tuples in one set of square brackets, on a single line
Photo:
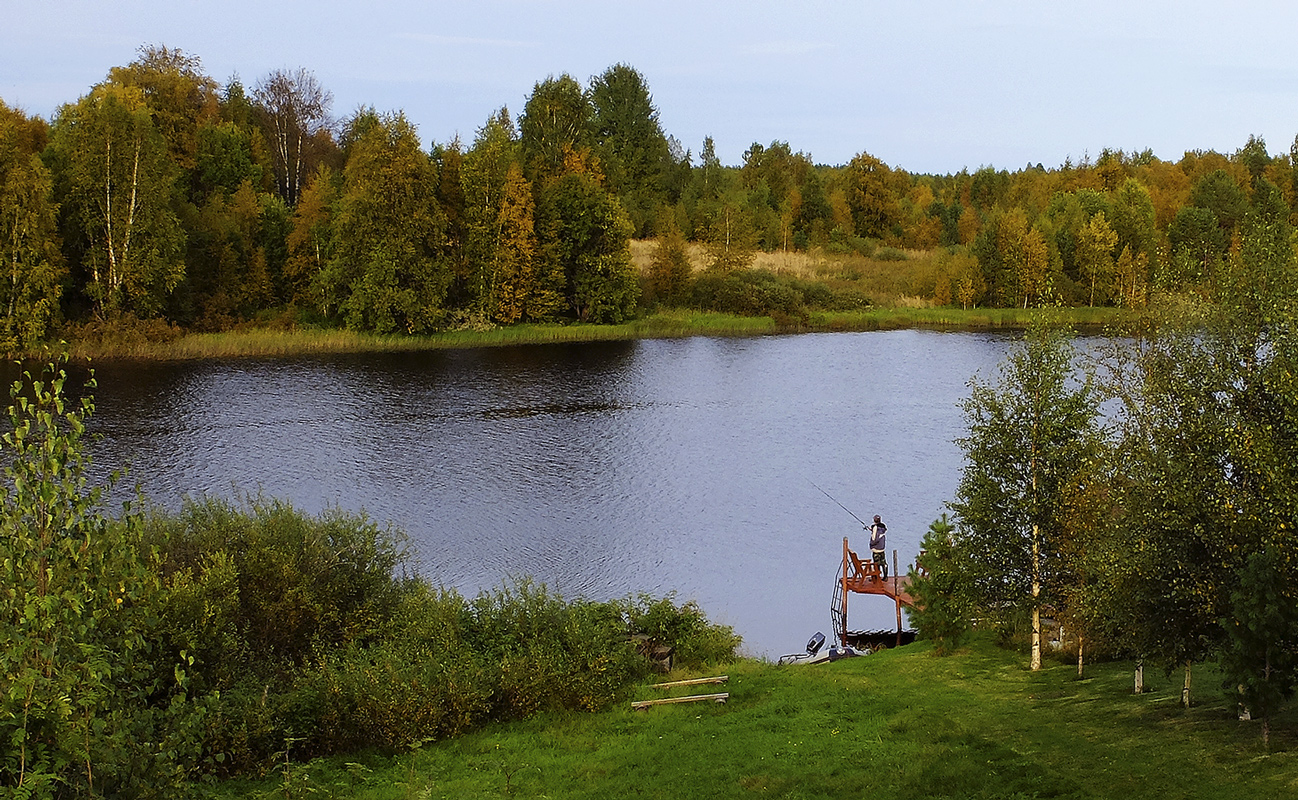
[(893, 587), (864, 577)]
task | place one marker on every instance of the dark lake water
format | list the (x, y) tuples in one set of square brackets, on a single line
[(601, 469)]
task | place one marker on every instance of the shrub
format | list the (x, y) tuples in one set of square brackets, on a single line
[(79, 698), (842, 242), (551, 654), (261, 586), (753, 293), (142, 651), (695, 641)]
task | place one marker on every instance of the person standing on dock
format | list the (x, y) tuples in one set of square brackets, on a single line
[(879, 545)]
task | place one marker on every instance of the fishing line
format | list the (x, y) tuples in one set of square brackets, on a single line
[(864, 524)]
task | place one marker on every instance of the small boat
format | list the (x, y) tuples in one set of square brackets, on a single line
[(815, 656)]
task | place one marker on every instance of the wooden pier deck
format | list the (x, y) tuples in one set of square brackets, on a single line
[(891, 587), (865, 577)]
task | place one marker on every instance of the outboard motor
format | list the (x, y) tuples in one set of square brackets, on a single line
[(815, 643)]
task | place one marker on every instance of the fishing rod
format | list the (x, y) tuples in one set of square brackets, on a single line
[(864, 524)]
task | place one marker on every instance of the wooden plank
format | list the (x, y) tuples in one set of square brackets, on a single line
[(720, 697), (692, 682)]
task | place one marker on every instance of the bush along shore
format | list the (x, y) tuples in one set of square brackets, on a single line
[(150, 650)]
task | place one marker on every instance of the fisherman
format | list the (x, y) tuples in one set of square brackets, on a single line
[(879, 544)]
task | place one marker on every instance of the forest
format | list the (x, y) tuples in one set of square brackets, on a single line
[(164, 198), (149, 650)]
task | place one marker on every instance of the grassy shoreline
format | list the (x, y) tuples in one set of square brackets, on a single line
[(899, 724), (268, 341)]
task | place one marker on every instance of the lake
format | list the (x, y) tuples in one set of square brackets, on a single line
[(601, 469)]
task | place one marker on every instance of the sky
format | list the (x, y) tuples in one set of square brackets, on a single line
[(928, 86)]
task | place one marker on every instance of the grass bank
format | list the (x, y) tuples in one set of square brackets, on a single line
[(898, 724), (659, 325)]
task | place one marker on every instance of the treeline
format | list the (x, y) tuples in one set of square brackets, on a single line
[(1162, 530), (149, 650), (162, 195)]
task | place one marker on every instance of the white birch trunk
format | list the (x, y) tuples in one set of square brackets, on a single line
[(1036, 597), (108, 217)]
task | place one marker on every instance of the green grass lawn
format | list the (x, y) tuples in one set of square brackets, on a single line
[(898, 724)]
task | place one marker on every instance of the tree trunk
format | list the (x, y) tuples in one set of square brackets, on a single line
[(1079, 655), (1185, 687), (1036, 597), (1140, 677)]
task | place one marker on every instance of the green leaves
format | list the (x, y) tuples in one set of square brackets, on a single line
[(70, 678), (585, 235), (939, 582), (1031, 437), (388, 272), (119, 184), (31, 283)]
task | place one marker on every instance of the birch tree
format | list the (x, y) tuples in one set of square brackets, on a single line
[(1030, 436), (387, 272), (119, 180), (1211, 486), (294, 111), (494, 152), (557, 118), (1095, 243), (310, 240), (31, 281), (181, 99)]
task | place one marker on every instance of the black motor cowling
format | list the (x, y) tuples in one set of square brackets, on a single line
[(815, 643)]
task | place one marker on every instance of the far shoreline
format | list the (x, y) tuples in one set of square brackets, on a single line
[(669, 324)]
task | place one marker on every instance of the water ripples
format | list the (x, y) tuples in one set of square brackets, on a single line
[(602, 469)]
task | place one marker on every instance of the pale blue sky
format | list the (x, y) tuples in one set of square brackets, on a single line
[(928, 86)]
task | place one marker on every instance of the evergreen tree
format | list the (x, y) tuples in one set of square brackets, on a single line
[(939, 584), (1261, 654)]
